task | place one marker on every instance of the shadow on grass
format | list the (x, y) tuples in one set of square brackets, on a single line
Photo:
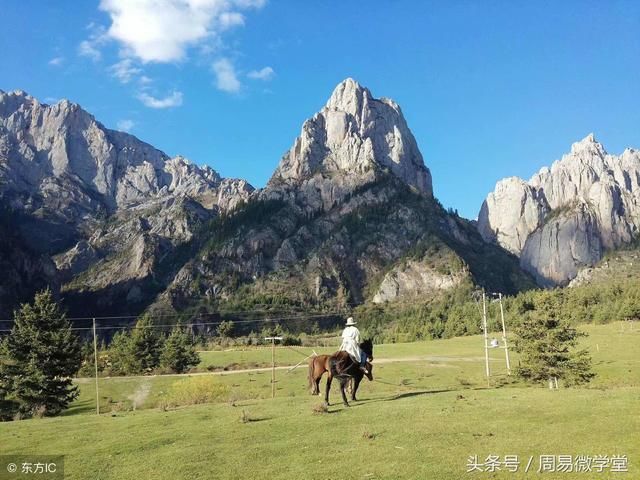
[(390, 398), (76, 408)]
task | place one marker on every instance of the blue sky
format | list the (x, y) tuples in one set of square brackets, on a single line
[(489, 88)]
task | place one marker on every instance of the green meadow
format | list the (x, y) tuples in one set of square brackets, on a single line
[(428, 409)]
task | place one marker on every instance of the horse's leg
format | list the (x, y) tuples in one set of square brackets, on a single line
[(326, 394), (343, 385), (317, 383), (356, 383)]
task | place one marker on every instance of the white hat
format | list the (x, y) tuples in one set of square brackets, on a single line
[(350, 321)]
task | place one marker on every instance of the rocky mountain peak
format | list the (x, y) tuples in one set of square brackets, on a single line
[(589, 146), (351, 141), (349, 96), (586, 203)]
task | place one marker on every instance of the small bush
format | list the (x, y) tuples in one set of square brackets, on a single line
[(194, 390), (367, 435), (320, 408)]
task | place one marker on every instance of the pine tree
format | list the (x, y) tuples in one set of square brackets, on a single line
[(145, 346), (179, 353), (40, 356), (225, 328), (547, 349), (121, 358)]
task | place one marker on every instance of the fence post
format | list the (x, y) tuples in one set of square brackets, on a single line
[(95, 361)]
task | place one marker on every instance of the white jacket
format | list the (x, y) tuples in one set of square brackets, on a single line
[(351, 343)]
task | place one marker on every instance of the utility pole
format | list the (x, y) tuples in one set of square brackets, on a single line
[(504, 336), (273, 364), (95, 361), (486, 335)]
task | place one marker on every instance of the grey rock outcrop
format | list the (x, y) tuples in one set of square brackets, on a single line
[(109, 208), (348, 143), (566, 216), (414, 279), (58, 163)]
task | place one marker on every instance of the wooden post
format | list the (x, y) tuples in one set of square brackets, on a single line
[(95, 361), (504, 336), (273, 364), (486, 335), (273, 368)]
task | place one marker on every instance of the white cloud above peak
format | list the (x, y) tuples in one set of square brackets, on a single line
[(266, 74), (163, 31), (174, 99), (124, 70), (125, 125), (226, 77)]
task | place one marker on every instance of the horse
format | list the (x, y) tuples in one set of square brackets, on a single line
[(342, 366), (320, 364)]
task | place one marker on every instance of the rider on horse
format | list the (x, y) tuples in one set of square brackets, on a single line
[(351, 344)]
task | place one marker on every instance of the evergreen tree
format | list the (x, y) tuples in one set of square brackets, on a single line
[(121, 355), (40, 356), (145, 346), (547, 349), (225, 328), (179, 353)]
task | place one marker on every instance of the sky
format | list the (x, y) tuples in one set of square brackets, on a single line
[(490, 89)]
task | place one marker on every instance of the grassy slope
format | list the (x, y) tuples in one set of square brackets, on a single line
[(425, 417)]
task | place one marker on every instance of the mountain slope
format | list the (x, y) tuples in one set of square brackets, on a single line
[(347, 217), (107, 206)]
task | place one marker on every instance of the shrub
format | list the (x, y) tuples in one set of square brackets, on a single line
[(195, 390)]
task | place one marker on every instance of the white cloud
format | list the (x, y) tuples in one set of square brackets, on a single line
[(89, 48), (230, 20), (124, 70), (125, 125), (172, 100), (226, 78), (144, 80), (56, 61), (265, 74), (162, 31)]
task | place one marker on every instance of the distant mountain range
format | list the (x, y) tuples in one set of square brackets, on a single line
[(116, 226)]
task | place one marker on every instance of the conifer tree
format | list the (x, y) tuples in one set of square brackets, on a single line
[(145, 346), (548, 353), (179, 353), (39, 357)]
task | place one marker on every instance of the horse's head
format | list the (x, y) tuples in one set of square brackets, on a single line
[(369, 373), (367, 347)]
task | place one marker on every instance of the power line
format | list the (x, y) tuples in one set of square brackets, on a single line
[(186, 325), (178, 315)]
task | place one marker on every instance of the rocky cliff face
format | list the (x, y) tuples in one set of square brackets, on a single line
[(566, 216), (88, 195), (347, 217), (353, 140)]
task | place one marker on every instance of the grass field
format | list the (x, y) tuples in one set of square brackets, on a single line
[(421, 418)]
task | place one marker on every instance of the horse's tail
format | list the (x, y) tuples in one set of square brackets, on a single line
[(311, 369)]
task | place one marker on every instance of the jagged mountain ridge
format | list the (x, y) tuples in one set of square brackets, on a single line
[(565, 217), (347, 217), (88, 195)]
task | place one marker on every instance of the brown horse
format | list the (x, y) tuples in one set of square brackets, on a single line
[(341, 366), (320, 364)]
